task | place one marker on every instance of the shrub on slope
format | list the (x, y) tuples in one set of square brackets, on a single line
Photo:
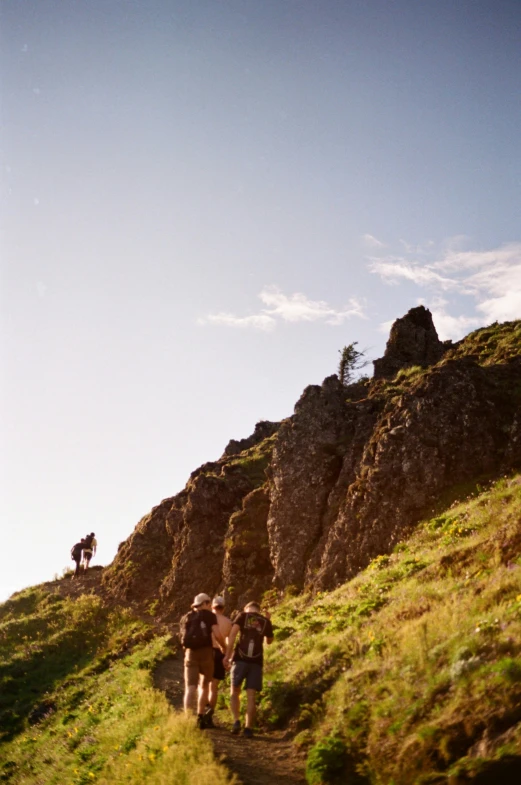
[(411, 672), (77, 704)]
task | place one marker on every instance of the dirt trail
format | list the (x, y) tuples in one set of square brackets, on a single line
[(267, 759)]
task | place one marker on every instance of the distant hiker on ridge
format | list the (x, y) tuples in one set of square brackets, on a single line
[(247, 662), (76, 552), (89, 549), (196, 629), (219, 672)]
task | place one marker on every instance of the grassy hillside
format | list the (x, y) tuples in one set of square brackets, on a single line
[(77, 704), (411, 672)]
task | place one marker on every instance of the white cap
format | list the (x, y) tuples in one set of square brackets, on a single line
[(199, 599), (218, 601)]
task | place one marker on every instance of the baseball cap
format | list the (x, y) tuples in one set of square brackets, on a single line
[(218, 601), (199, 599)]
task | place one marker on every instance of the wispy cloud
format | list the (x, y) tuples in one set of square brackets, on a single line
[(260, 321), (372, 241), (288, 308), (492, 278), (392, 268)]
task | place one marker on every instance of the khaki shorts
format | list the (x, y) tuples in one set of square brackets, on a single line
[(198, 661)]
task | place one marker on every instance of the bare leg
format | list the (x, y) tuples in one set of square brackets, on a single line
[(212, 697), (235, 702), (203, 698), (190, 699), (250, 708)]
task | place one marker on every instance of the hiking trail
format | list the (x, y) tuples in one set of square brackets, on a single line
[(267, 759)]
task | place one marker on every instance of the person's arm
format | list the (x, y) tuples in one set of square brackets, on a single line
[(231, 640), (269, 636)]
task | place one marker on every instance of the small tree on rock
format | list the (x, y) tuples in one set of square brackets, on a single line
[(351, 360)]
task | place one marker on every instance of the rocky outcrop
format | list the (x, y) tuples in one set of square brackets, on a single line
[(305, 467), (413, 341), (263, 430), (179, 549), (452, 427), (247, 568), (310, 501)]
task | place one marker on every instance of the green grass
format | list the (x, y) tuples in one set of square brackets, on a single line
[(255, 460), (77, 703), (491, 345), (406, 666)]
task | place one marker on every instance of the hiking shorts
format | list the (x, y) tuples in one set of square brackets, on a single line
[(87, 555), (198, 662), (218, 667), (249, 671)]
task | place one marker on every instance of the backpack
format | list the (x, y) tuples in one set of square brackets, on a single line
[(252, 634), (88, 542), (194, 631), (76, 551)]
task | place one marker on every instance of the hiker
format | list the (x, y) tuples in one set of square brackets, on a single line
[(219, 672), (76, 552), (197, 629), (247, 661), (89, 549)]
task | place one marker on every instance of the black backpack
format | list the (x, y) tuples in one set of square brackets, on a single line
[(195, 632), (250, 642), (76, 551), (88, 542)]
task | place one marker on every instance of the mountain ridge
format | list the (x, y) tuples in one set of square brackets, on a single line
[(308, 502)]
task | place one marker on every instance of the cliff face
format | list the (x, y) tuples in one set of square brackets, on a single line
[(310, 501)]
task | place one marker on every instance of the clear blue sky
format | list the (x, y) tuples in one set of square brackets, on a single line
[(202, 201)]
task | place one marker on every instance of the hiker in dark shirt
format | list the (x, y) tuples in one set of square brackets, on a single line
[(76, 552), (196, 629), (247, 661)]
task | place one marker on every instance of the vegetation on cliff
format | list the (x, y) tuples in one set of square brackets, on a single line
[(77, 704), (411, 672)]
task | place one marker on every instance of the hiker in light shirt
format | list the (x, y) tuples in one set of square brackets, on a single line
[(198, 628), (89, 549)]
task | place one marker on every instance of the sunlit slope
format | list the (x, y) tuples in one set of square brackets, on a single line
[(77, 704), (411, 672)]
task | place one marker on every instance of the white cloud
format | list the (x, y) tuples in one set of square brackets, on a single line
[(453, 327), (259, 321), (394, 267), (372, 241), (492, 278), (288, 308)]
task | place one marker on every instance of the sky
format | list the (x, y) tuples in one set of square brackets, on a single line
[(202, 202)]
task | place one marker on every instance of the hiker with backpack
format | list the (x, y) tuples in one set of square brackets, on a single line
[(247, 662), (197, 628), (89, 549), (76, 552), (219, 671)]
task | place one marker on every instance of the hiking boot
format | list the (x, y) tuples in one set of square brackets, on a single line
[(248, 733), (208, 718), (201, 722), (236, 727)]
